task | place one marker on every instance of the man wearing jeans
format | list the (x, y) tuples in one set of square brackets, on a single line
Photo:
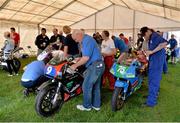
[(92, 59)]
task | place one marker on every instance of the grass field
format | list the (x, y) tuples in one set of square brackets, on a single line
[(14, 107)]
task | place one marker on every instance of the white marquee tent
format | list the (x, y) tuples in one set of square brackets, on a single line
[(127, 16)]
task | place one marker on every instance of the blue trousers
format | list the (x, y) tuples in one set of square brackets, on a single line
[(91, 85), (154, 78), (165, 66), (34, 83)]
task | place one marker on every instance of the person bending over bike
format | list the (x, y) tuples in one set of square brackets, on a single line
[(33, 75)]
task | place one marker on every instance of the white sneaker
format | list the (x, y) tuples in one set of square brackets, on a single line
[(82, 108), (10, 75), (97, 109)]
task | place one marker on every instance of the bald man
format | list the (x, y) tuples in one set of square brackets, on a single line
[(92, 59)]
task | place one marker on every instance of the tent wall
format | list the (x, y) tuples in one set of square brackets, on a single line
[(116, 19), (88, 23), (104, 19), (154, 21), (119, 19), (49, 29), (27, 33), (108, 19)]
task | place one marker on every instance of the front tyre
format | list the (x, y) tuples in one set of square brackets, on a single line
[(44, 101), (117, 102)]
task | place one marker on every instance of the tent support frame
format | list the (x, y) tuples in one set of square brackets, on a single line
[(91, 15)]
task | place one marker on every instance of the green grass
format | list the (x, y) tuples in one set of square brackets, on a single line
[(14, 107)]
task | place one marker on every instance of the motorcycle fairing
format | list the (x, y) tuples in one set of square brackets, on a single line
[(122, 71)]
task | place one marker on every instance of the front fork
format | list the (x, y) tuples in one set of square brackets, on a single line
[(124, 85), (56, 97)]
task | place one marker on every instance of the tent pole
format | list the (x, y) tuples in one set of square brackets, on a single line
[(38, 26), (159, 4), (134, 22), (18, 28), (151, 14), (113, 18), (91, 15), (95, 23), (58, 11), (4, 4)]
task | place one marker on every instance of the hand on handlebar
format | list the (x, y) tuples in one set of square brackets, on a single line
[(73, 67)]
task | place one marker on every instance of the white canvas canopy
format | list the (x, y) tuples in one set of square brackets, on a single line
[(127, 16)]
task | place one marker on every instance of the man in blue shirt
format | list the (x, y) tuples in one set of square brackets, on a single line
[(121, 46), (92, 58), (156, 53), (173, 45), (33, 74)]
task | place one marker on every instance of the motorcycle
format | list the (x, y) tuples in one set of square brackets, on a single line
[(64, 84), (17, 63), (49, 53), (129, 79)]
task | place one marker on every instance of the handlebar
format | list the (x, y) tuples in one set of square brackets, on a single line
[(71, 57)]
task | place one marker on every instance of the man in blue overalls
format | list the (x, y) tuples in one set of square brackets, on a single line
[(92, 58), (156, 53), (165, 66)]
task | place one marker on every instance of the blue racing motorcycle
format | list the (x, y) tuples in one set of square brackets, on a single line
[(128, 80)]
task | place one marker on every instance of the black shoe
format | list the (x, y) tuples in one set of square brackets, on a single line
[(165, 72), (26, 92)]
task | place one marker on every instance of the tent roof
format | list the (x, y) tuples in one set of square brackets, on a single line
[(67, 12)]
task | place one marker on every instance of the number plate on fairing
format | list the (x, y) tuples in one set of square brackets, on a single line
[(50, 71), (122, 71)]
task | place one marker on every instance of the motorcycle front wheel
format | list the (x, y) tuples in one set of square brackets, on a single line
[(117, 102), (44, 101)]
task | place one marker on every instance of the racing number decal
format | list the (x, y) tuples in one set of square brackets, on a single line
[(121, 70), (49, 69)]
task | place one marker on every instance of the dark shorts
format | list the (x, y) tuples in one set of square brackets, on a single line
[(173, 54)]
